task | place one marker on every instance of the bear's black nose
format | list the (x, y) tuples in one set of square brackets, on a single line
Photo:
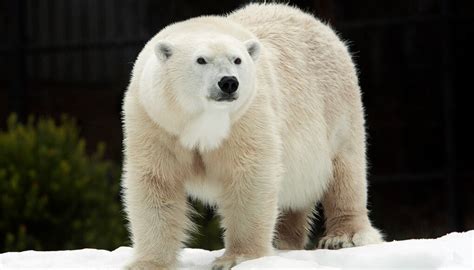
[(228, 84)]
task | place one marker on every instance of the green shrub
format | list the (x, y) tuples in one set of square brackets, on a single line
[(208, 233), (53, 195)]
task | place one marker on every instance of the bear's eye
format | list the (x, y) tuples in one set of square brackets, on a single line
[(237, 61), (201, 61)]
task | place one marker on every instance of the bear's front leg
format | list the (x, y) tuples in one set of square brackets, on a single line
[(248, 203), (248, 217), (156, 210)]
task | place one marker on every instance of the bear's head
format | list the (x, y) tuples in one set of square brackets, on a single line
[(208, 72), (191, 75)]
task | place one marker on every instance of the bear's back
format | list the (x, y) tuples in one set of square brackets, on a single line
[(316, 78), (313, 65)]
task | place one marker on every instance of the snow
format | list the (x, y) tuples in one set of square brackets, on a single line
[(453, 251)]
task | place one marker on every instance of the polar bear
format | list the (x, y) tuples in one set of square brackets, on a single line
[(258, 113)]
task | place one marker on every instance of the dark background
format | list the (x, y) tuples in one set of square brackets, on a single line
[(415, 60)]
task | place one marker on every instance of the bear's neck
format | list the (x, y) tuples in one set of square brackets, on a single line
[(206, 131)]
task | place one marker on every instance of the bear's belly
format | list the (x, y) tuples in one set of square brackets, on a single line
[(308, 171), (205, 190)]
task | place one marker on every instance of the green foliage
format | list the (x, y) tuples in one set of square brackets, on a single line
[(53, 195), (208, 233)]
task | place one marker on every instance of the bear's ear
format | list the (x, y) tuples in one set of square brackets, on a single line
[(253, 48), (163, 50)]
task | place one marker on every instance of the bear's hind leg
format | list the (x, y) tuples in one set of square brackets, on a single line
[(345, 204), (293, 229)]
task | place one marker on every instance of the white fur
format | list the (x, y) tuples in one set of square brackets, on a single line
[(367, 237), (207, 131), (293, 137)]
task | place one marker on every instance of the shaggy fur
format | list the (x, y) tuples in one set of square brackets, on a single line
[(293, 137)]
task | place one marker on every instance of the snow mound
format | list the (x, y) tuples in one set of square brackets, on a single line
[(453, 251)]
